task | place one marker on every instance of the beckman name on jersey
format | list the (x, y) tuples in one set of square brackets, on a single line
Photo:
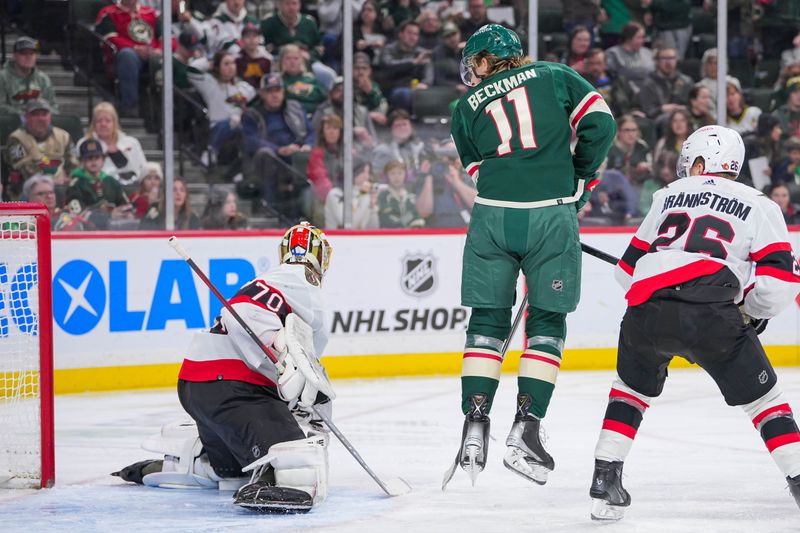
[(499, 87), (731, 206)]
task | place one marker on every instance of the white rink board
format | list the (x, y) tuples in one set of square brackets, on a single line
[(132, 301)]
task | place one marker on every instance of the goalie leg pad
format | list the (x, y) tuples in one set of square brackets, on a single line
[(299, 464), (184, 465)]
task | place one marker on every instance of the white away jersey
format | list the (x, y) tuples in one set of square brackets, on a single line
[(702, 224), (227, 352)]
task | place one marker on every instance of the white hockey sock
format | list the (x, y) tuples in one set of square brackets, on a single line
[(622, 419), (774, 420)]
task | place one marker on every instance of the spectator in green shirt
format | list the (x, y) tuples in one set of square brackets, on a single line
[(300, 85), (92, 192), (288, 26)]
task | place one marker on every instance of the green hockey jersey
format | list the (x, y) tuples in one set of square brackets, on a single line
[(514, 134)]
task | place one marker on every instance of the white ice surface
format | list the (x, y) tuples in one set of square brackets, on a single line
[(697, 465)]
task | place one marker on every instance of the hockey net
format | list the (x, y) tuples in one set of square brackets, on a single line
[(26, 356)]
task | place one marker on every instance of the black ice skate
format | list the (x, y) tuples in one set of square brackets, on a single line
[(609, 497), (526, 455), (474, 448), (794, 488)]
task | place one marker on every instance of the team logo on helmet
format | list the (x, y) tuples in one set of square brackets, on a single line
[(419, 274)]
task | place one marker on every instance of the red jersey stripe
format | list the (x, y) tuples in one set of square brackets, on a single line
[(772, 248), (641, 290), (625, 267), (616, 393), (483, 356), (619, 427), (782, 440), (583, 110), (640, 244), (540, 358), (782, 408), (777, 273), (221, 369)]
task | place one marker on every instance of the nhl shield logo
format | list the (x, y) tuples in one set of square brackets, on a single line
[(419, 275)]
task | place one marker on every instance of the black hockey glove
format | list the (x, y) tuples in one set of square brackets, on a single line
[(759, 324)]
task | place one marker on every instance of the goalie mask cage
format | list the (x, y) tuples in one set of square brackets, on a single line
[(26, 348)]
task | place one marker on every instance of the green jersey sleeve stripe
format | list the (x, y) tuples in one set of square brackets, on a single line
[(592, 102)]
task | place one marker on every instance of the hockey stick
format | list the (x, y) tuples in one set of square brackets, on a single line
[(591, 250), (585, 248), (395, 486)]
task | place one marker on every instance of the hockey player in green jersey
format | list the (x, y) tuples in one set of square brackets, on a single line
[(513, 130)]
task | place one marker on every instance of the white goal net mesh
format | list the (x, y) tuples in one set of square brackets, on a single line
[(20, 418)]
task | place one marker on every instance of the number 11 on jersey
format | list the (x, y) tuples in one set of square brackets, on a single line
[(519, 97)]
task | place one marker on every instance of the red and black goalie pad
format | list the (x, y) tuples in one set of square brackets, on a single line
[(635, 251), (259, 293), (777, 261)]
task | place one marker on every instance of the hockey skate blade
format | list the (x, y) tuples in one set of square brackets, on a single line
[(602, 511), (263, 498), (472, 468), (515, 461)]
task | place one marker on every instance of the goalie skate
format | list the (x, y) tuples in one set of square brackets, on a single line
[(264, 497), (526, 455), (474, 441), (609, 497)]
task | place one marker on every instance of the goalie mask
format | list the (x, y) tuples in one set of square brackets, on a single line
[(308, 245), (722, 150)]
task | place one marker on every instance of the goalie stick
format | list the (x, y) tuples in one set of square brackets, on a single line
[(603, 256), (394, 486)]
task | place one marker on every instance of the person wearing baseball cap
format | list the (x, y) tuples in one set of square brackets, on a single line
[(367, 92), (789, 113), (189, 47), (447, 59), (92, 189), (284, 132), (254, 61), (21, 81), (37, 147)]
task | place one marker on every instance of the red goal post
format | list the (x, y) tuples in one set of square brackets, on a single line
[(27, 450)]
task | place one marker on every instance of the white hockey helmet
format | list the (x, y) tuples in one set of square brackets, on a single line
[(722, 150), (307, 244)]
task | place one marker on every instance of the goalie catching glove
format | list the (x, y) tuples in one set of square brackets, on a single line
[(301, 375)]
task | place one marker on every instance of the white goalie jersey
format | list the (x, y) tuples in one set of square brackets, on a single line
[(701, 224), (226, 351)]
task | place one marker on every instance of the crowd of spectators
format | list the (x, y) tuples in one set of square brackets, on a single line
[(269, 76)]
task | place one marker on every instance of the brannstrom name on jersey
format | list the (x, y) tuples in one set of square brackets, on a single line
[(491, 90), (717, 202)]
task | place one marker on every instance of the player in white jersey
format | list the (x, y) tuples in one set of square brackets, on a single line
[(710, 252), (245, 407)]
